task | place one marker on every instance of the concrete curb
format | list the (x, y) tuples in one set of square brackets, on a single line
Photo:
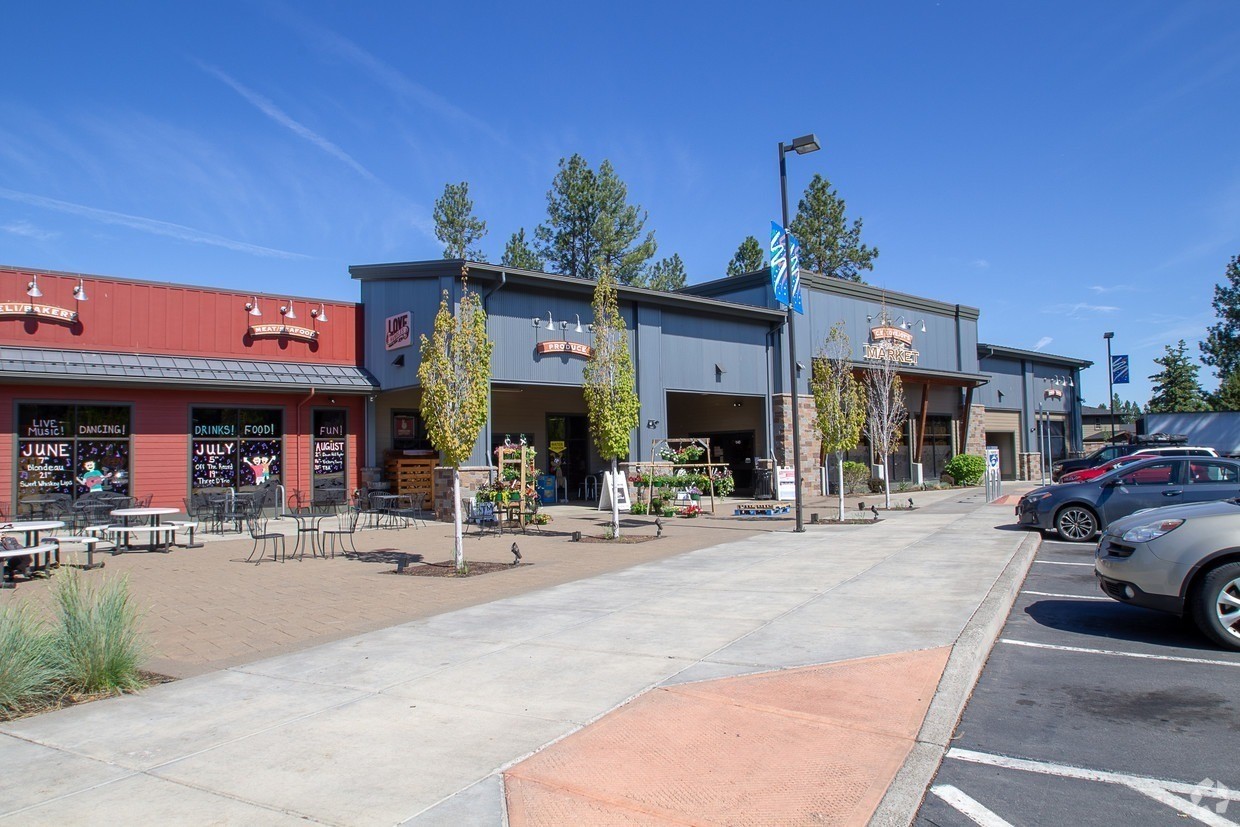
[(969, 655)]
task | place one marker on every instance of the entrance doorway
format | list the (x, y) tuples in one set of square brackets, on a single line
[(568, 449), (1006, 443), (736, 448)]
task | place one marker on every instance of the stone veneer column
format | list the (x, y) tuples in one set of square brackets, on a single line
[(811, 445), (471, 480), (975, 440)]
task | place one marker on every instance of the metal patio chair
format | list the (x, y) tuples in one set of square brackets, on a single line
[(256, 523)]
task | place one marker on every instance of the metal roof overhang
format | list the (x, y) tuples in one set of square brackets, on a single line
[(41, 365), (934, 377)]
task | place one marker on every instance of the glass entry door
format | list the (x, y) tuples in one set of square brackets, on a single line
[(568, 449)]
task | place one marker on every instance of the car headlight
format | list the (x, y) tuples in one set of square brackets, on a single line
[(1150, 531), (1033, 498)]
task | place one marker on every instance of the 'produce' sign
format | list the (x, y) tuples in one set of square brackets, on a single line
[(573, 348)]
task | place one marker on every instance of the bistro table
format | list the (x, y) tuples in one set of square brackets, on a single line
[(30, 531), (37, 504), (127, 514), (383, 505), (308, 531)]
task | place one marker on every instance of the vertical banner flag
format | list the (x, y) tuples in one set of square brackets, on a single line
[(1119, 370), (779, 264), (794, 259)]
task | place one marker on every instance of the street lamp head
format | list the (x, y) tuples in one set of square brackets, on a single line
[(1108, 335), (805, 144)]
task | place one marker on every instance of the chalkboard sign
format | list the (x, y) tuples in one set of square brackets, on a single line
[(328, 456), (44, 468), (214, 464)]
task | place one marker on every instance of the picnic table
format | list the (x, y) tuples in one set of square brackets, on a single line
[(157, 533)]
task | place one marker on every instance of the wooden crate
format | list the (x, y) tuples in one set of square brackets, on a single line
[(411, 475)]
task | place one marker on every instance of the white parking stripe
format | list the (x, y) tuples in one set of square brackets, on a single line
[(1073, 596), (1170, 658), (1057, 563), (1188, 808), (1069, 771), (968, 807)]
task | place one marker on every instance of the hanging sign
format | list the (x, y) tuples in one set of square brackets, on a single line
[(573, 348), (398, 331), (283, 331), (46, 312), (794, 258), (891, 344), (1119, 370), (779, 264)]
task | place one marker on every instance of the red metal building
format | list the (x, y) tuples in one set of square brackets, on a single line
[(164, 389)]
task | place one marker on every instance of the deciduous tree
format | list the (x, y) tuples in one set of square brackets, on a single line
[(885, 415), (1176, 388), (1221, 348), (840, 401), (609, 385), (518, 253), (829, 245), (455, 373), (748, 258), (456, 225), (591, 226)]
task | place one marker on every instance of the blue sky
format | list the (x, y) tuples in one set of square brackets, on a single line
[(1069, 168)]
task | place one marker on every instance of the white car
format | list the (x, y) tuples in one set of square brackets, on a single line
[(1177, 451)]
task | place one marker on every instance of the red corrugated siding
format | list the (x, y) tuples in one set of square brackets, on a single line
[(136, 317), (160, 426)]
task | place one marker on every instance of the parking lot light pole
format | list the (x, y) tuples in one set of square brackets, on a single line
[(1110, 379), (801, 146)]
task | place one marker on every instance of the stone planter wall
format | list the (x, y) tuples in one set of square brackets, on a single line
[(471, 479)]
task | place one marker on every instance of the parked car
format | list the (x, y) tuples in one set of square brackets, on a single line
[(1097, 471), (1122, 449), (1079, 510), (1183, 559)]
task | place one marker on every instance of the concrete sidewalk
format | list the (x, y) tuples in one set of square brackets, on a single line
[(416, 723)]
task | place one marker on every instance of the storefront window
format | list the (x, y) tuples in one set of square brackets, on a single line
[(239, 448), (328, 431), (409, 432), (72, 449)]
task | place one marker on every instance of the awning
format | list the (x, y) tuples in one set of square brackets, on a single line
[(41, 365)]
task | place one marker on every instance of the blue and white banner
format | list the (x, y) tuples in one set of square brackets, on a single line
[(779, 264), (1119, 370), (794, 256)]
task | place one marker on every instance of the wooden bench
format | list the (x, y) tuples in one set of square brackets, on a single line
[(9, 554), (160, 535)]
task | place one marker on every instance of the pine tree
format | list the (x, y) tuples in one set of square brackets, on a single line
[(1221, 349), (591, 226), (748, 258), (1176, 388), (665, 274), (1227, 397), (829, 246), (609, 384), (839, 399), (455, 374), (518, 253), (456, 225)]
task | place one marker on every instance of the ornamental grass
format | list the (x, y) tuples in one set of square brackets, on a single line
[(29, 669), (97, 643)]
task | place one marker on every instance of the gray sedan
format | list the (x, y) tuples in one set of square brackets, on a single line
[(1182, 559), (1080, 510)]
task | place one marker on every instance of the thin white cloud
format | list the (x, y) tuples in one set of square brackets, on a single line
[(27, 230), (281, 117), (1043, 342), (981, 263), (146, 225), (1080, 310), (1112, 288)]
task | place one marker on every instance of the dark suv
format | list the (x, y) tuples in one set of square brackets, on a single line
[(1111, 452)]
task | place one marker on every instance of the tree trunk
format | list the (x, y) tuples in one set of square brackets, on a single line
[(839, 470), (459, 553), (887, 481), (615, 503)]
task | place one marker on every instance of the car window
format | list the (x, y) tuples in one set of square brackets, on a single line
[(1212, 472), (1197, 452), (1157, 473), (1110, 453)]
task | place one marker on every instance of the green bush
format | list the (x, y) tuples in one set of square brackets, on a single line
[(28, 667), (97, 642), (966, 469), (856, 474), (877, 485), (637, 508)]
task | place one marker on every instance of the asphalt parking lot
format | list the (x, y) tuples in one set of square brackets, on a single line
[(1093, 712)]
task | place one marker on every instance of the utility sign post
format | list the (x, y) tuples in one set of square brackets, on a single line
[(1119, 370), (994, 478)]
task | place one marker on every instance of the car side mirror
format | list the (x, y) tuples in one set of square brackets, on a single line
[(1113, 483)]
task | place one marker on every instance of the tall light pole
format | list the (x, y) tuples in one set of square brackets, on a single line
[(801, 146), (1110, 378)]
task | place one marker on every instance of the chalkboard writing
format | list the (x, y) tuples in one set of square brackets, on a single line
[(214, 464), (44, 468), (328, 456)]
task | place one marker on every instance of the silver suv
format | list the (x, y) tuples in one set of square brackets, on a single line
[(1183, 559)]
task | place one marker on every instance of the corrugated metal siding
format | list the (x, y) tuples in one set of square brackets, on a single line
[(136, 317)]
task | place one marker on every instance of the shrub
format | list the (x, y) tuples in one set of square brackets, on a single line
[(856, 474), (877, 485), (28, 666), (637, 508), (966, 469), (97, 645)]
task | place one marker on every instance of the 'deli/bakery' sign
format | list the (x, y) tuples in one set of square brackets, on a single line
[(45, 312)]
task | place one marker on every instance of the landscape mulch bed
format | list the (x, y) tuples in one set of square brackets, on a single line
[(448, 569), (51, 704)]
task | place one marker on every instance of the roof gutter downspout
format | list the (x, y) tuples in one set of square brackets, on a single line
[(487, 430)]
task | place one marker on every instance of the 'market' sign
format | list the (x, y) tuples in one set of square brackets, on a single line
[(891, 344)]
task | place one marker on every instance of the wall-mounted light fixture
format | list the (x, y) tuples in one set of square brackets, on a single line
[(79, 291), (319, 313), (399, 361), (251, 307), (550, 321), (579, 323), (286, 310), (652, 423), (32, 287)]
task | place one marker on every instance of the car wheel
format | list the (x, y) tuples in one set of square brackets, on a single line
[(1216, 606), (1076, 523)]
